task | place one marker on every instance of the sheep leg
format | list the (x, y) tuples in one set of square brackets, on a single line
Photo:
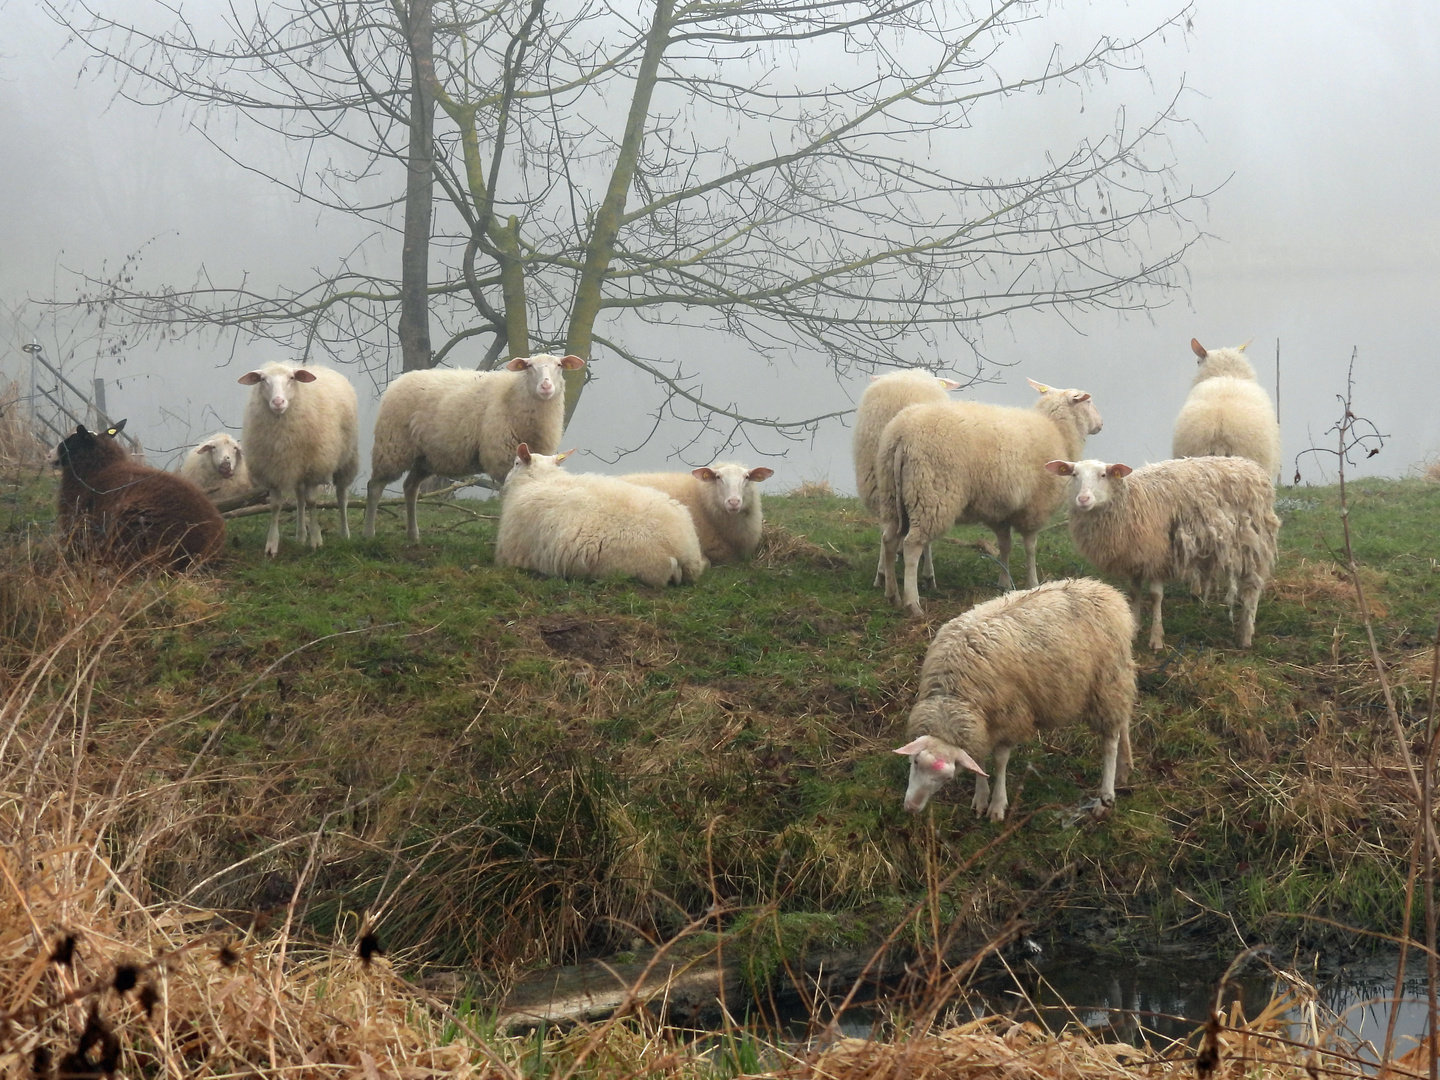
[(1111, 748), (1157, 627), (911, 549), (999, 801), (373, 490), (342, 498), (417, 476), (299, 513), (312, 517), (1122, 772), (889, 546), (272, 541), (880, 566), (1250, 591), (1032, 576), (1137, 606), (981, 802), (929, 566), (1003, 543)]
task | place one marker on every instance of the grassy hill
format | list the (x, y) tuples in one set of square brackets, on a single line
[(507, 771)]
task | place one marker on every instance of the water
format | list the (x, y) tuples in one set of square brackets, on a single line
[(1162, 997)]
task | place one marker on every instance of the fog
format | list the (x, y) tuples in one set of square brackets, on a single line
[(1318, 122)]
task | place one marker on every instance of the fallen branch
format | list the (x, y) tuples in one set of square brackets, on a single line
[(255, 501)]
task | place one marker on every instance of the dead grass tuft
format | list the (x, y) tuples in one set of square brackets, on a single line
[(780, 547), (1326, 586), (18, 444)]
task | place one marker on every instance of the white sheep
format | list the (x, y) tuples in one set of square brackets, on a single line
[(965, 462), (591, 526), (444, 422), (217, 467), (1206, 521), (723, 501), (1016, 665), (1227, 412), (883, 398), (302, 429)]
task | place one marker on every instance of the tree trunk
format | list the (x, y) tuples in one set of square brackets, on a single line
[(591, 288), (414, 330)]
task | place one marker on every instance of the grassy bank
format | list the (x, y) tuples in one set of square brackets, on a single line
[(505, 771)]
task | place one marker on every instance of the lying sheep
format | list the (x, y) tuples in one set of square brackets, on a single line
[(1014, 666), (591, 526), (112, 507), (723, 503), (217, 467), (883, 398), (453, 423), (1228, 413), (961, 461), (302, 429), (1204, 521)]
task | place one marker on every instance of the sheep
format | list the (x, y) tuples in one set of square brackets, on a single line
[(961, 461), (591, 526), (454, 423), (1228, 413), (302, 429), (883, 398), (115, 508), (723, 502), (1022, 663), (1203, 521), (217, 467)]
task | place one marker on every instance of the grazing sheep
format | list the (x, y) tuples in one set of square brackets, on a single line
[(454, 423), (883, 398), (723, 502), (1228, 413), (112, 507), (302, 429), (1203, 521), (961, 461), (1016, 665), (592, 526), (217, 467)]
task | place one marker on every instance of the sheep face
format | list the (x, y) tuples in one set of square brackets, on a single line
[(528, 465), (1092, 482), (1078, 402), (732, 486), (279, 380), (546, 372), (87, 449), (224, 454)]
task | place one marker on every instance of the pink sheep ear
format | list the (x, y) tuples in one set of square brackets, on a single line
[(950, 384), (520, 363), (912, 748), (1242, 348), (965, 760), (1079, 396), (1060, 468), (522, 453), (1117, 471), (301, 375), (561, 457), (1039, 387), (571, 362), (762, 473), (1197, 348), (705, 473), (250, 378), (205, 448)]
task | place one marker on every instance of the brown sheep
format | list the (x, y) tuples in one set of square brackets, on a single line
[(117, 509)]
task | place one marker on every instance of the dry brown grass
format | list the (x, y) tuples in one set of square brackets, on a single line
[(18, 444), (779, 546)]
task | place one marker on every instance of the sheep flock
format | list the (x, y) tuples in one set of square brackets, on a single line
[(1052, 653)]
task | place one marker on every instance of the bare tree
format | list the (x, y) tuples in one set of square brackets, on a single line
[(790, 179)]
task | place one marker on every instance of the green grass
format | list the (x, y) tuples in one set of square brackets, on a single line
[(517, 770)]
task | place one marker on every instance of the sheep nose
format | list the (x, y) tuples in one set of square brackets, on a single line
[(278, 404), (1084, 499), (732, 504)]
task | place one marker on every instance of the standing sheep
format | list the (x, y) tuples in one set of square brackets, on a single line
[(454, 423), (112, 507), (591, 526), (1014, 666), (1228, 413), (1204, 521), (883, 398), (961, 461), (723, 502), (217, 467), (302, 429)]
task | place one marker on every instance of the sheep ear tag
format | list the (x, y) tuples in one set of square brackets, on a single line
[(561, 457), (1039, 387)]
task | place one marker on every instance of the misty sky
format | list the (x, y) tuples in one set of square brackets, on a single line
[(1324, 117)]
